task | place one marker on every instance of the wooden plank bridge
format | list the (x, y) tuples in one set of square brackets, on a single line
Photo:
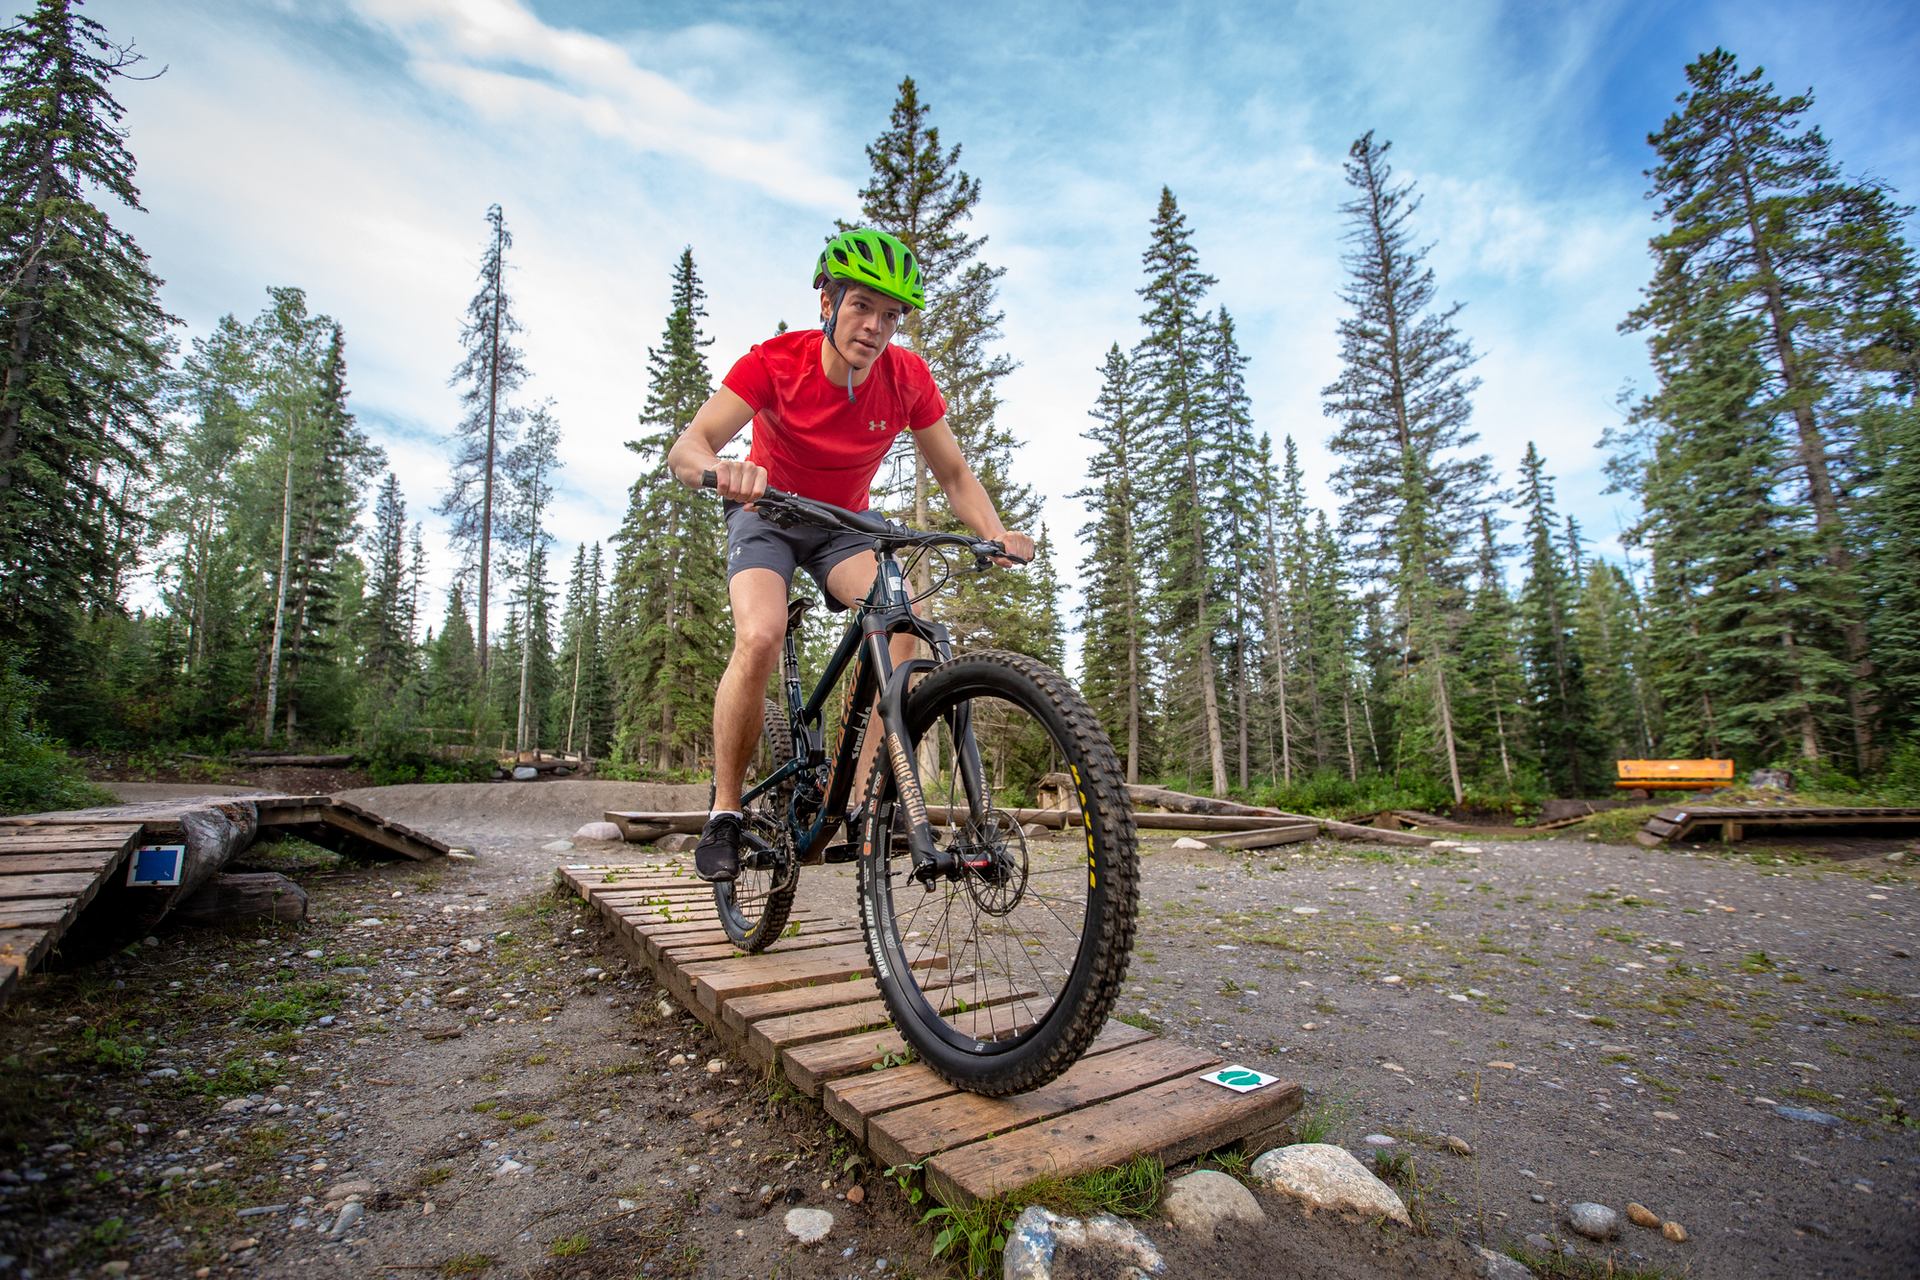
[(1733, 822), (809, 1007), (56, 868)]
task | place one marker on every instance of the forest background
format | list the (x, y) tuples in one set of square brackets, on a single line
[(202, 546)]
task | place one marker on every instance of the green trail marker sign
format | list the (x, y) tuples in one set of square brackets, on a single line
[(1240, 1079)]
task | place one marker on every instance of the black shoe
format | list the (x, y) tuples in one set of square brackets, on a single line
[(717, 856)]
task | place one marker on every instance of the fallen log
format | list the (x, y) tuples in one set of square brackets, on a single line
[(233, 897), (1264, 838), (263, 759), (1374, 835), (1058, 787)]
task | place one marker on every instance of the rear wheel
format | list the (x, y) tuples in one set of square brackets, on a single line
[(1001, 968), (753, 907)]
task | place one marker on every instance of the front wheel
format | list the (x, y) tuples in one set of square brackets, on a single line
[(1001, 967)]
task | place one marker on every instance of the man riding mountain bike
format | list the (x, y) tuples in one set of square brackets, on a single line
[(826, 406)]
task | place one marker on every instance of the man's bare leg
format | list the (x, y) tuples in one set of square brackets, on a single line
[(759, 625)]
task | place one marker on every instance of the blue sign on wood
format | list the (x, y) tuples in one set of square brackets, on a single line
[(156, 866)]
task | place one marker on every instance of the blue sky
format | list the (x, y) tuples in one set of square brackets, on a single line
[(351, 147)]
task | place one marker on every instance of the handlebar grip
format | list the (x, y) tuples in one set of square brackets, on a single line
[(709, 480)]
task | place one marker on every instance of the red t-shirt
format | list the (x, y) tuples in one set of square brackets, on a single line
[(809, 438)]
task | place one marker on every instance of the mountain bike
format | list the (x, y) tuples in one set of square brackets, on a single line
[(999, 955)]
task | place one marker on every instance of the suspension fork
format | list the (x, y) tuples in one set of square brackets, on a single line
[(929, 860)]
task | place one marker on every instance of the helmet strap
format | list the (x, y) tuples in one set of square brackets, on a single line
[(829, 325)]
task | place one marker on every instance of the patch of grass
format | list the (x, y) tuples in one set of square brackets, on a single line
[(1604, 1022), (111, 1047), (526, 1120), (433, 1175), (290, 854), (1142, 1021), (1756, 962), (468, 1264), (1130, 1190), (239, 1075), (1562, 1266), (1321, 1121), (297, 1004), (570, 1246)]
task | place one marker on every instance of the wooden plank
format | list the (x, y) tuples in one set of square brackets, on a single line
[(63, 884), (856, 1100), (1267, 838), (46, 913), (784, 946), (766, 1037), (737, 1011), (1175, 1120), (810, 1066), (21, 949), (357, 825), (913, 1133), (87, 835), (92, 860), (717, 980)]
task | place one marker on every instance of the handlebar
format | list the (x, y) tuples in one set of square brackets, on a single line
[(788, 509)]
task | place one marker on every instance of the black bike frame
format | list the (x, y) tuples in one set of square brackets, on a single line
[(886, 610)]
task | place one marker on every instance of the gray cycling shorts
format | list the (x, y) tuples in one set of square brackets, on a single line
[(755, 542)]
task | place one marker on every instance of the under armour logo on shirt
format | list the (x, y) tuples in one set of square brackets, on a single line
[(877, 426)]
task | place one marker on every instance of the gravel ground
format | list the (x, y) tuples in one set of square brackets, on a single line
[(470, 1060)]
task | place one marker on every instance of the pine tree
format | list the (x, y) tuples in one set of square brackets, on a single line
[(1562, 708), (917, 191), (670, 579), (1492, 684), (1607, 630), (84, 332), (528, 472), (1113, 573), (1738, 576), (1170, 365), (1767, 244), (1242, 467), (1413, 495), (1892, 572), (487, 376), (453, 672), (389, 639)]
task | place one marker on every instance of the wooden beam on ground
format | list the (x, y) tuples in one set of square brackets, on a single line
[(1264, 838)]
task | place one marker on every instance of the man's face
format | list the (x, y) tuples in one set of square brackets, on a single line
[(866, 325)]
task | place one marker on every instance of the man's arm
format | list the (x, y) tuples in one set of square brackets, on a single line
[(698, 449), (965, 494)]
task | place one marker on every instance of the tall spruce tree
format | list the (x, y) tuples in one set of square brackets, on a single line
[(1170, 365), (1562, 707), (1115, 659), (1242, 465), (917, 191), (1608, 632), (529, 472), (1413, 491), (1493, 686), (488, 375), (670, 593), (83, 329), (1766, 243), (388, 638)]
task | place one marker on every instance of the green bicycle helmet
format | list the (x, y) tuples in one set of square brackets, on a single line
[(874, 259)]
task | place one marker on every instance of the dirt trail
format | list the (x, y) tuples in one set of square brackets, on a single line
[(471, 1059)]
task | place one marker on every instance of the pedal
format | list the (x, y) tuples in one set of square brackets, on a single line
[(840, 853)]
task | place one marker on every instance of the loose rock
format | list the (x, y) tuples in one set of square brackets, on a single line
[(1674, 1232), (1641, 1216), (349, 1214), (599, 831), (1458, 1145), (1198, 1202), (1808, 1114), (1594, 1221), (557, 846), (1188, 842), (809, 1226), (1489, 1265), (1324, 1176), (681, 843), (1039, 1233)]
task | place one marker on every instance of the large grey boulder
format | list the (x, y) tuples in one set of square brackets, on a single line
[(599, 831), (1039, 1233), (1202, 1200), (1323, 1176)]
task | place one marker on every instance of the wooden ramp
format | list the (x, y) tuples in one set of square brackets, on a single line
[(810, 1008), (1731, 823), (55, 866)]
